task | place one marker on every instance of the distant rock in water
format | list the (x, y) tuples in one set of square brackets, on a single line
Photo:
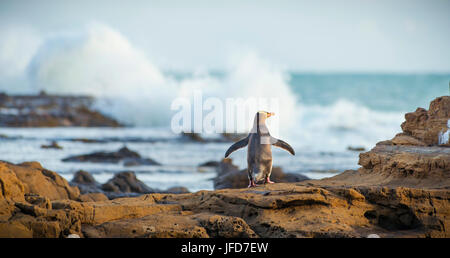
[(234, 137), (45, 110), (351, 148), (85, 182), (129, 157), (53, 145), (126, 182), (230, 176), (211, 163), (224, 137), (177, 190)]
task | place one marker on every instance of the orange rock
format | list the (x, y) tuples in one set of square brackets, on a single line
[(426, 125)]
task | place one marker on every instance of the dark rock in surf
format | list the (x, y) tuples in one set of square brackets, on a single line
[(53, 145), (129, 157), (230, 176), (211, 163), (126, 182), (44, 110)]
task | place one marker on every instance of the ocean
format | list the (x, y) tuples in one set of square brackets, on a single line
[(323, 115)]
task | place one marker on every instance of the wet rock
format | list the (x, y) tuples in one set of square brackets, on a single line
[(126, 182), (123, 184), (86, 140), (230, 176), (195, 137), (83, 177), (93, 197), (53, 145), (233, 137), (351, 148), (177, 190), (210, 164), (45, 110), (85, 182), (224, 137), (130, 162), (129, 157)]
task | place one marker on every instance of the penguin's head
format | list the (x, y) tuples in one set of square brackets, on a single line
[(265, 114)]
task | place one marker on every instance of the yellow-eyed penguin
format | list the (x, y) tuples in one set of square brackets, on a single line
[(259, 154)]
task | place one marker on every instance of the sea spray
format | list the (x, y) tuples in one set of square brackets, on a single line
[(103, 63), (444, 136), (100, 61)]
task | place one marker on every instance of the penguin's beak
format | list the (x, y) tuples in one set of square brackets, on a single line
[(269, 114)]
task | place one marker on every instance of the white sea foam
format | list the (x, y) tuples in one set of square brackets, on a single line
[(100, 61), (18, 45)]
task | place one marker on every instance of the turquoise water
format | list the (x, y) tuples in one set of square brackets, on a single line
[(383, 92)]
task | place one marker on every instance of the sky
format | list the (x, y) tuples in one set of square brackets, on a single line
[(313, 36)]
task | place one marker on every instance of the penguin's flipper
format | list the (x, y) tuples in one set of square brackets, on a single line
[(282, 144), (240, 144)]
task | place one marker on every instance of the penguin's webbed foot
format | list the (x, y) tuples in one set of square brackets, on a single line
[(252, 184), (269, 182)]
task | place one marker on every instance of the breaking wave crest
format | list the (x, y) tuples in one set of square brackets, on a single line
[(101, 62)]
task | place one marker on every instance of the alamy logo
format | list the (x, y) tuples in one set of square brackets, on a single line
[(197, 114)]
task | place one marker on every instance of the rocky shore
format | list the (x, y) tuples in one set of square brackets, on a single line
[(401, 190), (45, 110)]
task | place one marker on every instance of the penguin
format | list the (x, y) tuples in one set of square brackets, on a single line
[(259, 151)]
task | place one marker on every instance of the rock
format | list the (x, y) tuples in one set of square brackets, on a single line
[(86, 183), (400, 191), (11, 187), (225, 137), (126, 182), (192, 137), (373, 236), (11, 190), (37, 180), (53, 145), (83, 177), (395, 164), (14, 230), (85, 140), (105, 157), (129, 162), (177, 190), (123, 184), (234, 137), (229, 176), (73, 236), (210, 164), (45, 110), (351, 148), (425, 125), (334, 207), (403, 139), (124, 154), (38, 201), (93, 197)]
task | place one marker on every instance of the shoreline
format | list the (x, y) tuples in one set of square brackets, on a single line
[(402, 189)]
